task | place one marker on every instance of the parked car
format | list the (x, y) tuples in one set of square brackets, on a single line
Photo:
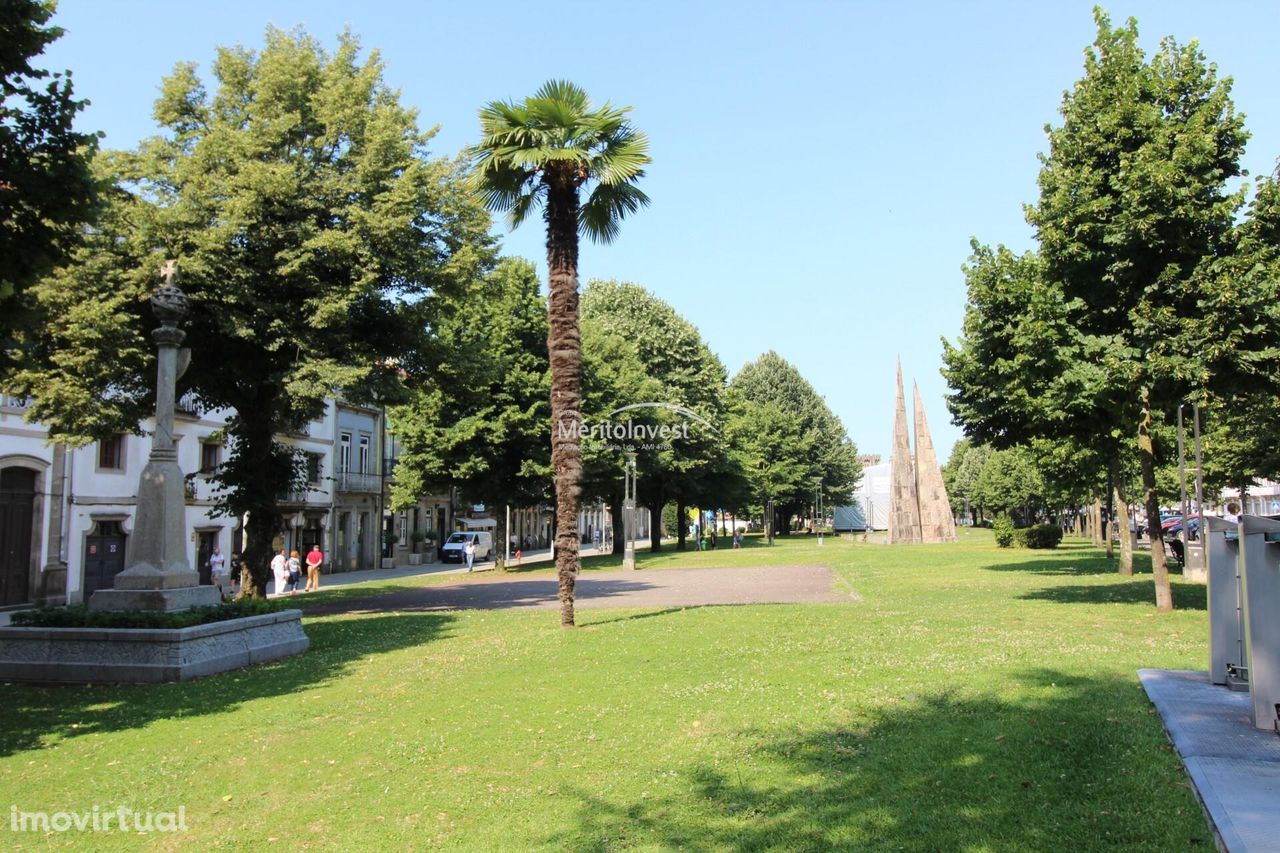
[(452, 549), (1172, 526)]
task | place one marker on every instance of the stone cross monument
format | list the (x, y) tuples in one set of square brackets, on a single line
[(157, 575)]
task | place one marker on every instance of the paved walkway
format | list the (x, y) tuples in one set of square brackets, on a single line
[(613, 589), (1234, 767), (340, 579)]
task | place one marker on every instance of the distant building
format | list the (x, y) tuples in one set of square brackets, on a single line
[(869, 507), (67, 513)]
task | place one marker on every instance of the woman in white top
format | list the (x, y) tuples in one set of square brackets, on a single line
[(280, 568)]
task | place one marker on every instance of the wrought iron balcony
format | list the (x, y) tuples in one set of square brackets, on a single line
[(352, 481)]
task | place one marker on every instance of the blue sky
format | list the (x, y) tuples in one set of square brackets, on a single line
[(819, 167)]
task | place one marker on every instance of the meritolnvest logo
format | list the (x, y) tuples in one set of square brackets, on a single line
[(629, 434)]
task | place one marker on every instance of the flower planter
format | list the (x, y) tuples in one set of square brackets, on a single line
[(147, 655)]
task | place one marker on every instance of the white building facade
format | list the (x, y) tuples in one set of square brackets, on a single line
[(66, 514)]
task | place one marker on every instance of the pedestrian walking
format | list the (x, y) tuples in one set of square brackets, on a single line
[(295, 572), (218, 572), (469, 551), (280, 570), (314, 559)]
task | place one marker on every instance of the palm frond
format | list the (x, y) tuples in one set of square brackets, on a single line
[(557, 125), (601, 215)]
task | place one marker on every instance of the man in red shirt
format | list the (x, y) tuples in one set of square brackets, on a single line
[(314, 559)]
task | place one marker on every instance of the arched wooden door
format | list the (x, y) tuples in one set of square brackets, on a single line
[(17, 508)]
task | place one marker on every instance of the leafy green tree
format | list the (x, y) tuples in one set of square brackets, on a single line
[(1239, 327), (1010, 483), (47, 189), (773, 450), (544, 152), (477, 415), (689, 465), (831, 457), (1133, 199), (314, 236), (960, 476)]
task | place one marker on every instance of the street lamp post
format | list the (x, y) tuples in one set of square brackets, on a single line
[(629, 512)]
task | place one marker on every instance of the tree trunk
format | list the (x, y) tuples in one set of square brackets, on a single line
[(1095, 522), (1147, 464), (564, 347), (682, 526), (501, 541), (655, 528), (1108, 533), (769, 520), (1126, 535), (255, 441), (619, 527)]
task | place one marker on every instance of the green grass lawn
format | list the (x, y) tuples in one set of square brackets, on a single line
[(975, 699)]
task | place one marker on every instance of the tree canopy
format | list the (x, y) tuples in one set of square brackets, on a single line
[(47, 189), (1134, 205), (314, 235), (831, 461)]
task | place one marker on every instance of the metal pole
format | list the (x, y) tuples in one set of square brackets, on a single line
[(507, 536), (1182, 485), (628, 513), (1195, 426)]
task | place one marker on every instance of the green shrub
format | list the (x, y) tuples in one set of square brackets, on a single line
[(80, 616), (1044, 536), (1020, 537), (1003, 528)]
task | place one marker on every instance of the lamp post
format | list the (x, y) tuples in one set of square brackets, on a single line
[(629, 512)]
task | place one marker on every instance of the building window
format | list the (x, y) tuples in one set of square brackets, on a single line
[(364, 455), (210, 457), (344, 452), (314, 462), (111, 453)]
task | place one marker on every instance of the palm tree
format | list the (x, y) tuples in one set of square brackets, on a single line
[(543, 153)]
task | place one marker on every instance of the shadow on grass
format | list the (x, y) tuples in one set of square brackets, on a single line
[(1071, 763), (34, 715), (310, 600), (1071, 559), (527, 592), (1186, 596)]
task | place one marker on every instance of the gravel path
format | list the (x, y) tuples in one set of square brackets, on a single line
[(615, 589)]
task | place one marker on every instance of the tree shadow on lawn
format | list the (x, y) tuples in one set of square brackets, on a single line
[(33, 714), (523, 593), (1186, 596), (1074, 559), (1071, 763)]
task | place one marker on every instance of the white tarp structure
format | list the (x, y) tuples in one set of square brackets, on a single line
[(870, 501)]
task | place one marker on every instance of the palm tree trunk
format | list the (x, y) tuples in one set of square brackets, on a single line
[(564, 346), (1147, 463)]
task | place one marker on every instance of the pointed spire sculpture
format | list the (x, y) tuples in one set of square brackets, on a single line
[(904, 508), (936, 521)]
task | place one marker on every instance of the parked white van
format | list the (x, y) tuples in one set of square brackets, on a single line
[(452, 550)]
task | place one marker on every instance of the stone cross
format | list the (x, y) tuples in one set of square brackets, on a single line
[(157, 575)]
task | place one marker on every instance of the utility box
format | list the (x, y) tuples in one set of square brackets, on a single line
[(1260, 596), (1221, 540)]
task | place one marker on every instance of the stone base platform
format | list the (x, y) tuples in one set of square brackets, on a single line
[(147, 655)]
